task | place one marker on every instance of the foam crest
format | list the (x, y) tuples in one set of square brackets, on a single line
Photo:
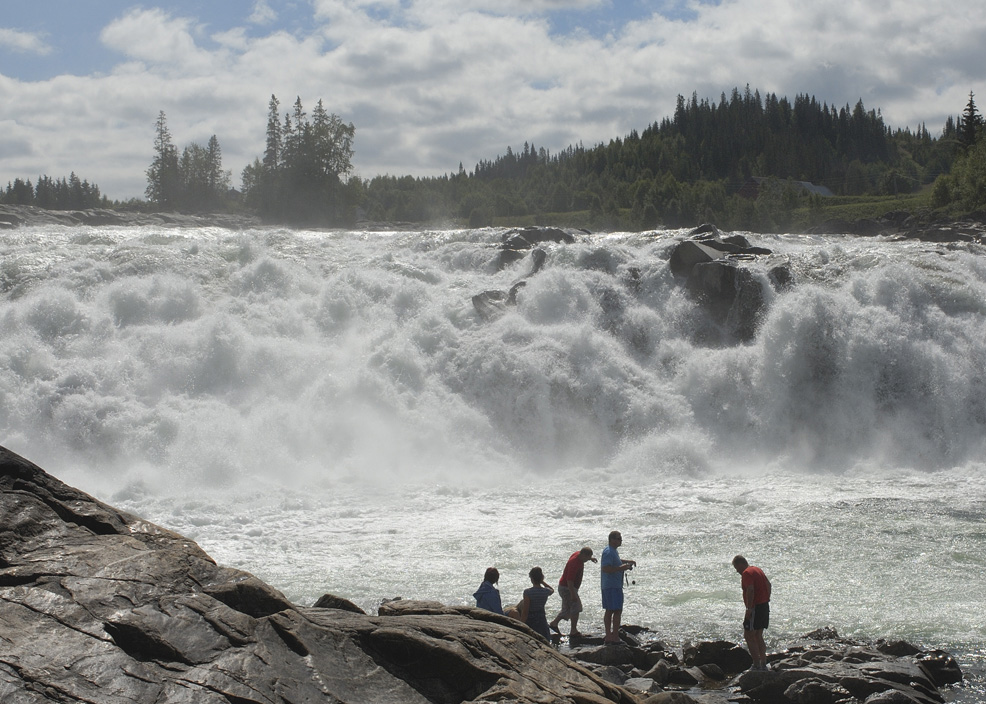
[(212, 356)]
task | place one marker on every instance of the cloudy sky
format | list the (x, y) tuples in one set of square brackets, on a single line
[(432, 83)]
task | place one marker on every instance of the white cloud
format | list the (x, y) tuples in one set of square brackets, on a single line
[(430, 83), (24, 42), (263, 13), (157, 38)]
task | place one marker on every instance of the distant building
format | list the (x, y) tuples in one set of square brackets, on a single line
[(751, 189)]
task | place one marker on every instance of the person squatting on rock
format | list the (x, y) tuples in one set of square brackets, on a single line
[(568, 590), (611, 569), (756, 598), (532, 606), (488, 596)]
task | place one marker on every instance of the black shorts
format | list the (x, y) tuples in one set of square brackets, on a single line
[(760, 618)]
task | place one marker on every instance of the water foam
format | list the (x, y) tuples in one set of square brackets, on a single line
[(211, 354)]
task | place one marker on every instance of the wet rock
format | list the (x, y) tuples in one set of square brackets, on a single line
[(660, 673), (732, 295), (941, 666), (98, 605), (517, 243), (641, 685), (836, 671), (710, 266), (670, 698), (492, 304), (815, 691), (29, 215), (863, 227), (729, 657), (330, 601)]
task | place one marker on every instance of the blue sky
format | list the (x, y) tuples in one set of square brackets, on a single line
[(430, 83)]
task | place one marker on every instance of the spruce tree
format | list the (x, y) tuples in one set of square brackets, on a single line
[(970, 124), (162, 176)]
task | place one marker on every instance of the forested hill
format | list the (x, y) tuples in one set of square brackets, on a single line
[(745, 136), (742, 162), (686, 167)]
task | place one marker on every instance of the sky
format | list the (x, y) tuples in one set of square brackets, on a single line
[(430, 84)]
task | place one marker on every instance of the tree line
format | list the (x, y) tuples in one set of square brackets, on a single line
[(193, 181), (72, 193), (697, 164)]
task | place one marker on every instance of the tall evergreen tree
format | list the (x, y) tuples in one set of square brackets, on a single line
[(970, 124), (163, 183), (275, 142)]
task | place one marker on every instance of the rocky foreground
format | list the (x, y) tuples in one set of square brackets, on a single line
[(97, 605)]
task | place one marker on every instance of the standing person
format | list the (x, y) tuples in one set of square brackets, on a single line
[(611, 569), (568, 590), (532, 606), (756, 598), (488, 596)]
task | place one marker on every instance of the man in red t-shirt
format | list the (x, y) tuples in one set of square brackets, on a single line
[(568, 590), (756, 598)]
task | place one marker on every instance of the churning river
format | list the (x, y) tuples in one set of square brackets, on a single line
[(327, 410)]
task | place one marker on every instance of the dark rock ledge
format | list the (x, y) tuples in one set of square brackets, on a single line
[(13, 216), (97, 605)]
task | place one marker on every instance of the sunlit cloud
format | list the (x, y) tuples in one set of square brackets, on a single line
[(24, 42), (432, 83)]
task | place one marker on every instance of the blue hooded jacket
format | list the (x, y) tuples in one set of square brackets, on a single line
[(488, 597)]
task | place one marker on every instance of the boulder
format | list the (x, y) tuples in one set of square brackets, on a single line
[(838, 671), (330, 601), (517, 243), (815, 691), (733, 296), (641, 684), (660, 673), (709, 265), (492, 304), (98, 605), (729, 657)]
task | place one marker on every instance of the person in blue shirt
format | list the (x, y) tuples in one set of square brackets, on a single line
[(488, 596), (611, 568), (532, 607)]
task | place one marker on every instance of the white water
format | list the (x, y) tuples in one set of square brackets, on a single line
[(327, 410)]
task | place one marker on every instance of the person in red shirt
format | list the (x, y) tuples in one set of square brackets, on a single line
[(756, 598), (568, 590)]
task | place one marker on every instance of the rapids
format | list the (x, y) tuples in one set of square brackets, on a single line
[(327, 410)]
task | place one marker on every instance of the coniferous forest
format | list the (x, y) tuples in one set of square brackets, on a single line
[(745, 161)]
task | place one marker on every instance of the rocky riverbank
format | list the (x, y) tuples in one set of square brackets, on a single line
[(100, 605), (13, 216), (898, 224)]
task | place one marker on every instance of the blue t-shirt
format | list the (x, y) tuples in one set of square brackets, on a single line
[(610, 558)]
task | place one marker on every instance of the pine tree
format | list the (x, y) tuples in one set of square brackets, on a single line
[(275, 142), (970, 124), (162, 176)]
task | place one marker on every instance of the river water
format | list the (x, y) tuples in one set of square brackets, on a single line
[(328, 411)]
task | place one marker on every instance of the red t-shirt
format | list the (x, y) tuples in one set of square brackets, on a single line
[(574, 569), (754, 576)]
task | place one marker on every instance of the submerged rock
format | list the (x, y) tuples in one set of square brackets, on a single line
[(98, 605), (710, 265), (517, 243)]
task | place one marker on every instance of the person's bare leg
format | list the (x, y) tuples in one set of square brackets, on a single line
[(761, 648), (575, 624), (755, 644)]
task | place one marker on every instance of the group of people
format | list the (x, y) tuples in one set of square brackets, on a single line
[(531, 608)]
